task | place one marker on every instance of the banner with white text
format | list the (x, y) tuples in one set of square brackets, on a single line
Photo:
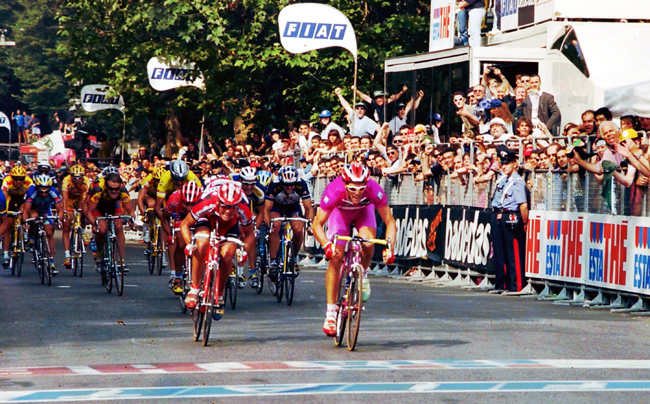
[(95, 97), (166, 74), (5, 122)]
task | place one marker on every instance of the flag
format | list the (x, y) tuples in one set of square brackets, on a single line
[(95, 97), (166, 74)]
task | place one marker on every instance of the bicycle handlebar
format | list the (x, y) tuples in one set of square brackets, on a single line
[(288, 219), (14, 214), (42, 218), (362, 240), (110, 217)]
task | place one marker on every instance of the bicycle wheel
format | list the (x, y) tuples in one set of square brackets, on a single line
[(45, 258), (209, 301), (354, 307), (117, 270), (233, 284), (260, 275), (38, 263), (107, 266), (160, 251), (78, 261), (289, 277), (17, 258), (12, 258), (73, 249), (186, 288), (341, 316)]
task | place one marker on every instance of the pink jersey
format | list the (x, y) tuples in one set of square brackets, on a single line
[(335, 196)]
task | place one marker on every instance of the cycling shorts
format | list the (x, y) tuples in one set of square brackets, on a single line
[(230, 229), (111, 208), (340, 221), (288, 210)]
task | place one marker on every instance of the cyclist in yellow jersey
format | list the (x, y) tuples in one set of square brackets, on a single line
[(147, 197), (74, 191), (173, 180), (14, 188)]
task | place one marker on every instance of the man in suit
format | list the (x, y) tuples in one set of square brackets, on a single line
[(542, 106)]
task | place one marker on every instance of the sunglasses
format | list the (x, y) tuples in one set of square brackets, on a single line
[(391, 153), (227, 207), (43, 190), (77, 177), (358, 108), (111, 189), (244, 184), (397, 141), (353, 188), (18, 178)]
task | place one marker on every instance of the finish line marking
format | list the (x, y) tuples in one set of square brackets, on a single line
[(317, 389), (235, 367)]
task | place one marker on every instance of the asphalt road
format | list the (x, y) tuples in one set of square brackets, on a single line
[(418, 343)]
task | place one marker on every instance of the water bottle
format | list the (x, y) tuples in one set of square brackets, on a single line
[(93, 247)]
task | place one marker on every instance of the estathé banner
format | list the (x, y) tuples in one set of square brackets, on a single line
[(95, 97), (309, 26), (166, 74)]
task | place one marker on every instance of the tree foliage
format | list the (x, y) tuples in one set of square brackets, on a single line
[(249, 76)]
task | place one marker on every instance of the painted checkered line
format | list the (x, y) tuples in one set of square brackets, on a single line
[(142, 393), (232, 367)]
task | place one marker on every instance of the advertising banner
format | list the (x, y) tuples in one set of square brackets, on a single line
[(94, 97), (526, 12), (607, 245), (441, 29), (309, 26), (4, 121), (166, 74), (509, 16), (554, 249), (467, 236)]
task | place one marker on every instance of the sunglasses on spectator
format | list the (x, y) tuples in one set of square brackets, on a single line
[(390, 153), (398, 142), (353, 188), (227, 207)]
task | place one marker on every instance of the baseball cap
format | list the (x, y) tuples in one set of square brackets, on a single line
[(378, 93), (419, 128), (628, 134)]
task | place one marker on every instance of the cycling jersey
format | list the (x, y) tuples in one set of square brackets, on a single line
[(256, 197), (147, 182), (3, 204), (76, 194), (16, 195), (166, 185), (42, 202), (278, 195), (174, 207), (208, 209), (335, 196), (106, 204)]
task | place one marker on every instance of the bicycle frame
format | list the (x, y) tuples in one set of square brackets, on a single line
[(42, 251), (109, 265)]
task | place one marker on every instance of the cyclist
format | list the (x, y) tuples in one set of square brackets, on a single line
[(147, 197), (178, 175), (109, 197), (14, 188), (178, 206), (255, 196), (283, 200), (264, 179), (40, 198), (351, 200), (44, 167), (74, 191), (225, 210)]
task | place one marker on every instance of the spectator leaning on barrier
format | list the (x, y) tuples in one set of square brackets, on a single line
[(509, 221)]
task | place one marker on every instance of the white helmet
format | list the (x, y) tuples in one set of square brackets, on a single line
[(248, 174)]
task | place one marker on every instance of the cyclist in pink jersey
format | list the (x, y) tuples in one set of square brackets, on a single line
[(351, 200)]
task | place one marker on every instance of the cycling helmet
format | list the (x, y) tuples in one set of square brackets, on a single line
[(158, 172), (229, 193), (247, 174), (179, 170), (44, 165), (288, 175), (356, 172), (325, 114), (43, 180), (77, 171), (109, 170), (191, 192), (18, 171), (265, 178)]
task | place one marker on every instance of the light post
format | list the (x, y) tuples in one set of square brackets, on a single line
[(3, 40)]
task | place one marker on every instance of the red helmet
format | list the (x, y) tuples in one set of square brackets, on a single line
[(191, 192), (356, 172), (229, 193)]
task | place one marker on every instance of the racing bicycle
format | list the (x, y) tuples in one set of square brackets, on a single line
[(156, 247), (209, 295), (17, 244), (286, 278), (110, 270), (349, 301), (77, 248), (41, 250)]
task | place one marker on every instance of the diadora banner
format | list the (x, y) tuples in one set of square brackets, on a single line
[(95, 97), (441, 30), (4, 121), (308, 26), (166, 74), (597, 250)]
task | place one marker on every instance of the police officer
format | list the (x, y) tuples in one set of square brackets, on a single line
[(509, 221)]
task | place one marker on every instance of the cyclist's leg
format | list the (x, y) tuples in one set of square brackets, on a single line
[(274, 236), (337, 225), (202, 234), (65, 229), (366, 224), (176, 249), (248, 237), (8, 223), (227, 253), (298, 233)]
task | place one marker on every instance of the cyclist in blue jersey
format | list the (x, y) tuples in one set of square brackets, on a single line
[(39, 200)]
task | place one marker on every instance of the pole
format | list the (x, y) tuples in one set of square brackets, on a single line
[(201, 147), (354, 97), (123, 132)]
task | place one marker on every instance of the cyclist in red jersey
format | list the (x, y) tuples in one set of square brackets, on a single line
[(225, 211), (178, 206)]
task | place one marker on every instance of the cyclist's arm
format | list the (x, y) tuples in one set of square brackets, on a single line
[(309, 209), (165, 222), (186, 224), (7, 197), (391, 227), (90, 208), (317, 226), (267, 212), (64, 198), (28, 207), (158, 207), (259, 219), (60, 209), (141, 196)]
